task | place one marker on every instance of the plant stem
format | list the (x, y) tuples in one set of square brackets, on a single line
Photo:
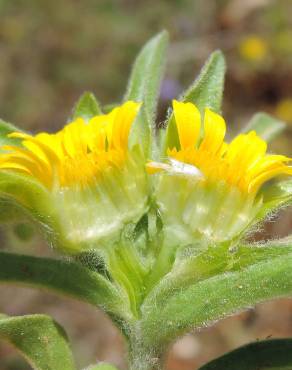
[(147, 362), (141, 358)]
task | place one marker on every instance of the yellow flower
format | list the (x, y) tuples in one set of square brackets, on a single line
[(206, 177), (253, 48), (79, 154), (93, 184)]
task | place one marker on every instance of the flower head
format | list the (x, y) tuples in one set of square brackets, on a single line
[(78, 154), (210, 180), (93, 181)]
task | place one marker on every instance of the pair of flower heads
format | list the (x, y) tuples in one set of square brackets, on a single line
[(86, 182)]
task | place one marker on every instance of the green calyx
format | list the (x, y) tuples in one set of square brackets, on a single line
[(95, 216), (193, 209), (76, 219)]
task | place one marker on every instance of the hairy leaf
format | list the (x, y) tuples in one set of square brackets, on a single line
[(144, 86), (40, 339), (273, 354), (215, 286), (206, 91), (65, 277)]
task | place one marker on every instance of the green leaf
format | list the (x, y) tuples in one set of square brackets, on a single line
[(266, 126), (215, 284), (101, 366), (273, 354), (206, 91), (87, 107), (144, 86), (40, 339), (65, 277)]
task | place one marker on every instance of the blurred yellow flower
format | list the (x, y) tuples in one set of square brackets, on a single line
[(284, 110), (253, 48)]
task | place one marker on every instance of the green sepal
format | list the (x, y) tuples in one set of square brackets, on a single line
[(27, 196), (266, 126), (24, 195), (144, 87), (40, 340), (275, 354), (86, 107), (205, 91), (33, 202)]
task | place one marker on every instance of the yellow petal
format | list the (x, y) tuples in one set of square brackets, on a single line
[(74, 138), (122, 123), (188, 123), (7, 165), (96, 133), (19, 135), (266, 163), (251, 145), (257, 182), (29, 155), (39, 147), (214, 132)]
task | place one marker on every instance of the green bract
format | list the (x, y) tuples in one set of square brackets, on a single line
[(131, 253)]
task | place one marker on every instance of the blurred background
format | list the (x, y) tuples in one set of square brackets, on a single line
[(52, 51)]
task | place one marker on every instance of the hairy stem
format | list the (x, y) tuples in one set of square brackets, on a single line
[(144, 361), (142, 357)]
